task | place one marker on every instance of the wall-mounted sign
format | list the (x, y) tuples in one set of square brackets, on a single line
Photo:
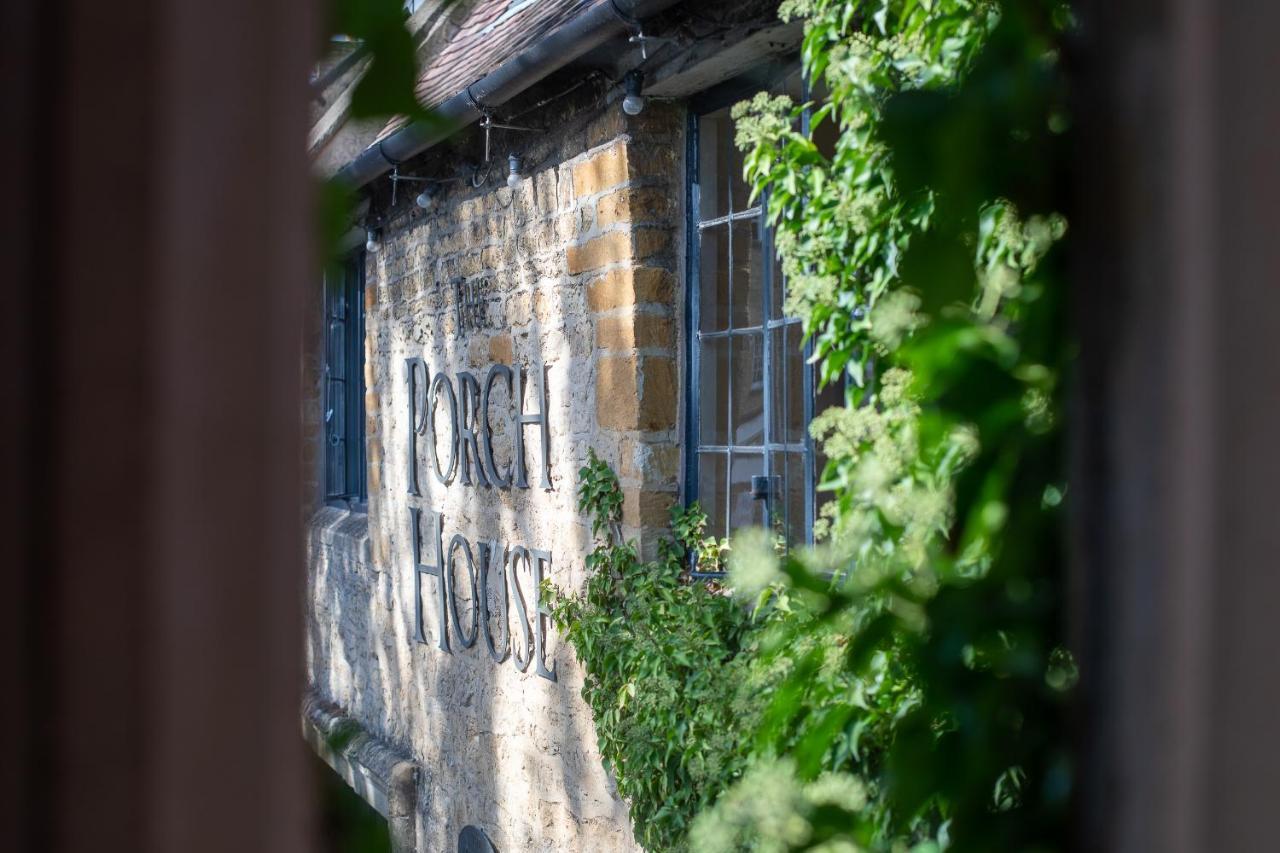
[(470, 425), (471, 462)]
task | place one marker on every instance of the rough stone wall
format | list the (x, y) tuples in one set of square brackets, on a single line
[(577, 268)]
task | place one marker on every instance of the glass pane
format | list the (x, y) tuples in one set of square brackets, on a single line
[(778, 290), (334, 293), (746, 407), (713, 270), (336, 350), (715, 134), (712, 480), (336, 471), (744, 510), (786, 409), (713, 392), (335, 415), (748, 274), (787, 509)]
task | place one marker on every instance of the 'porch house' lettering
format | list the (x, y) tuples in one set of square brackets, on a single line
[(470, 460), (470, 439)]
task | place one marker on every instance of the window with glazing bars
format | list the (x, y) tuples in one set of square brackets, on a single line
[(750, 392), (344, 383)]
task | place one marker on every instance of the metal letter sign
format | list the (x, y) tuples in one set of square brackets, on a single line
[(469, 443), (468, 446)]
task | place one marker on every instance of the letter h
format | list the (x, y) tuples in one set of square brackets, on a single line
[(520, 420), (415, 515)]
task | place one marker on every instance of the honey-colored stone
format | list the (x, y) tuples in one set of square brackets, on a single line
[(633, 204), (646, 508), (634, 331), (660, 394), (636, 393), (651, 241), (606, 168), (500, 349), (622, 288), (609, 248), (578, 269)]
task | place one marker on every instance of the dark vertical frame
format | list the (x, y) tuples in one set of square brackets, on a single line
[(692, 308), (811, 473), (357, 475), (1176, 189), (159, 233)]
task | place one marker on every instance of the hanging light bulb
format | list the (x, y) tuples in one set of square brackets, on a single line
[(513, 171), (426, 197), (371, 244), (633, 103)]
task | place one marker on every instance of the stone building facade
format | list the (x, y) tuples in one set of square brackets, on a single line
[(508, 325)]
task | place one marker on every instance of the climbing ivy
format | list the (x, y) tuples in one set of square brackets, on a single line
[(660, 655)]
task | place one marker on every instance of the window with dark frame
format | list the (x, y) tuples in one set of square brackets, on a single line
[(344, 475), (750, 392)]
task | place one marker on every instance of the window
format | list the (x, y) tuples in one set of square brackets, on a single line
[(750, 392), (344, 475)]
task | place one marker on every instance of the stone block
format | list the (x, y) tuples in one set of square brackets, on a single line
[(660, 394), (655, 465), (606, 168), (610, 248), (646, 508), (636, 392), (635, 331), (477, 349), (651, 241), (500, 349), (623, 288), (609, 125), (634, 204)]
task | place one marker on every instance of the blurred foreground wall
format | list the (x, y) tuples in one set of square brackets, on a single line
[(1178, 275), (155, 228)]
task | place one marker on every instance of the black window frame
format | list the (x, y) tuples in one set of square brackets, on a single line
[(714, 99), (343, 415)]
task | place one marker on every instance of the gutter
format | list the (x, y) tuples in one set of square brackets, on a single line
[(549, 54)]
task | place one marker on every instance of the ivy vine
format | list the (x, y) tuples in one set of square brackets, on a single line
[(659, 655)]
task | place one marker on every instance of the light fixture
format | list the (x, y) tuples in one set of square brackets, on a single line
[(633, 103), (371, 244), (513, 171), (427, 196)]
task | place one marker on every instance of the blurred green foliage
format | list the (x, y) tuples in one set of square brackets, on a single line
[(923, 252), (386, 88), (902, 685)]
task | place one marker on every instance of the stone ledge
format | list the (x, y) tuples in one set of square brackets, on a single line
[(383, 776), (342, 530)]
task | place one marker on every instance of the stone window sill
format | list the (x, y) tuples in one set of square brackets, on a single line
[(343, 530)]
